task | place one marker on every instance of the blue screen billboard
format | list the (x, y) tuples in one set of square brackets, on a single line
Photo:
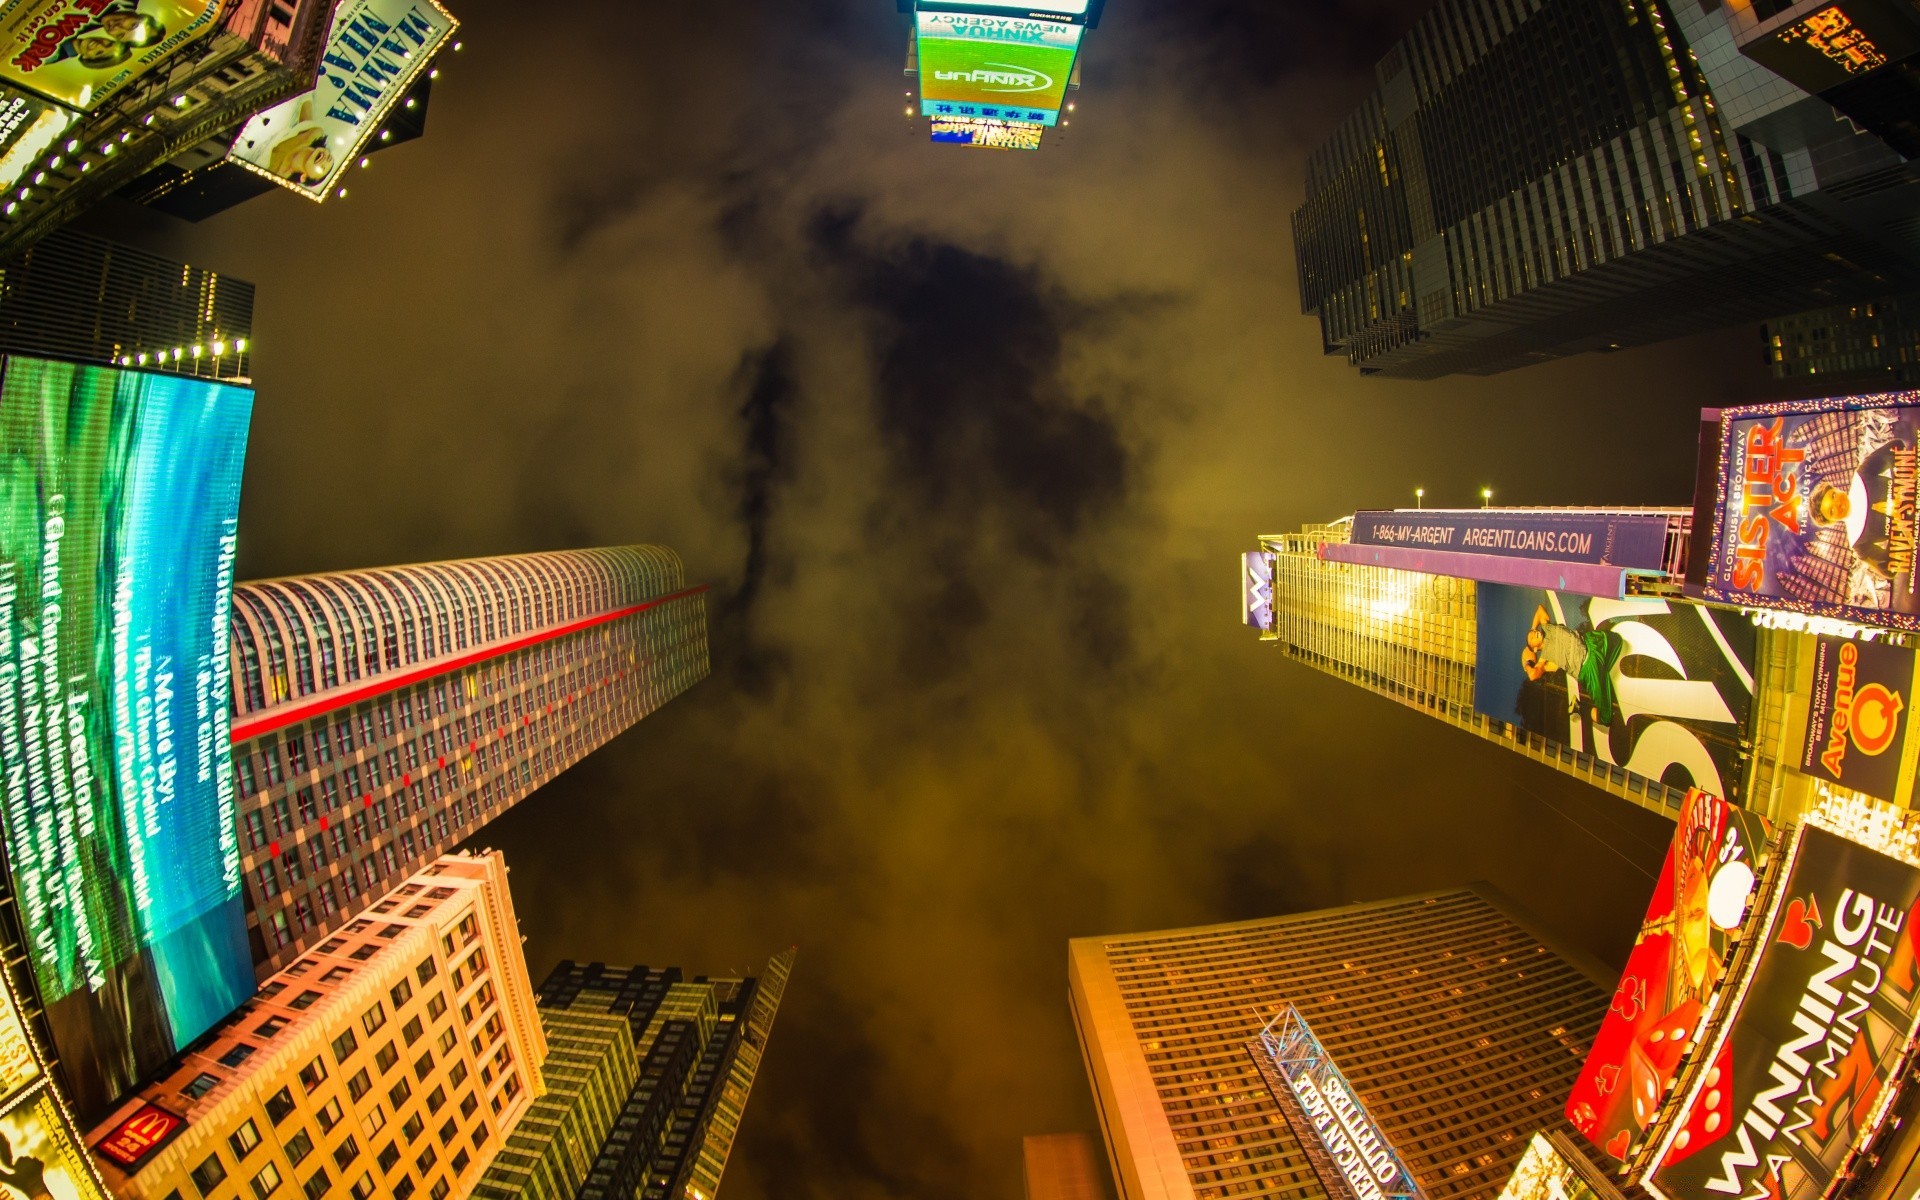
[(119, 497)]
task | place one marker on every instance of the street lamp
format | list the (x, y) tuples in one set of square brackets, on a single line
[(1486, 497), (1419, 497)]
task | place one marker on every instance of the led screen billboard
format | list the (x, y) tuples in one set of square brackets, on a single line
[(374, 52), (986, 133), (1660, 688), (1699, 906), (1813, 507), (1799, 1072), (1011, 68), (79, 52), (119, 496), (1837, 43), (1857, 715)]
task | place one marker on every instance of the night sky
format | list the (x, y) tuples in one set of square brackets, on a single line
[(968, 444)]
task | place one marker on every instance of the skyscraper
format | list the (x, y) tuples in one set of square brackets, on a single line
[(1459, 1029), (80, 297), (1065, 1166), (391, 1060), (700, 1043), (589, 1070), (1870, 346), (381, 716), (1536, 180)]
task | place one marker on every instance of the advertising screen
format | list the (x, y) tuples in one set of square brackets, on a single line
[(1256, 589), (1857, 715), (1661, 688), (1012, 68), (40, 1159), (79, 52), (1636, 541), (1839, 42), (29, 126), (987, 133), (1699, 907), (1065, 8), (1799, 1072), (374, 52), (1815, 509), (119, 496), (1547, 1172)]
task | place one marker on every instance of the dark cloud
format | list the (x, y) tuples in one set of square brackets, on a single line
[(968, 445)]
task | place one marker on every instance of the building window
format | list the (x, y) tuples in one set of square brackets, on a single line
[(389, 1155), (399, 1094), (236, 1055), (328, 1116), (344, 1153), (209, 1174), (299, 1146), (359, 1085), (280, 1106), (413, 1029), (344, 1045), (244, 1139), (374, 1018), (201, 1085), (313, 1074), (316, 1185), (271, 1027), (386, 1057)]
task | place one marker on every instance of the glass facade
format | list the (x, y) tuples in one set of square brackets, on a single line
[(382, 716), (1533, 180), (589, 1070), (700, 1044), (1459, 1029)]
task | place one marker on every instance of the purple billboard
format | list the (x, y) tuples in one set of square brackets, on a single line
[(1634, 541), (1813, 507)]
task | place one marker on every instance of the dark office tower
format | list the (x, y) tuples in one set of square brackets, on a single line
[(78, 297), (700, 1042), (1866, 347), (381, 716), (1457, 1028), (1530, 180)]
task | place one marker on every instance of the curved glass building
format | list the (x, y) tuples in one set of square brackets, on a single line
[(380, 716)]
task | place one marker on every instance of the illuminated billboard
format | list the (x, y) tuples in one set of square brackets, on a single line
[(80, 52), (1256, 589), (1065, 8), (376, 49), (987, 133), (1838, 43), (1679, 959), (40, 1159), (1799, 1074), (1813, 506), (1660, 688), (29, 127), (1552, 1169), (1321, 1106), (1857, 715), (119, 498), (1634, 540), (1009, 68)]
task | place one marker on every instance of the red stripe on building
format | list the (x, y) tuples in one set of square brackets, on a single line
[(271, 720)]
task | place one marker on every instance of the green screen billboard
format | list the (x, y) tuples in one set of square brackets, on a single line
[(119, 496), (1005, 68)]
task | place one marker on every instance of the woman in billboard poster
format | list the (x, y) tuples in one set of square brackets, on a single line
[(301, 154)]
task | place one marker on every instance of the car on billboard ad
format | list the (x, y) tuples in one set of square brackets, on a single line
[(1008, 68), (1700, 905), (1857, 716), (1800, 1071), (1660, 688), (375, 51), (80, 52), (1813, 507), (119, 498), (986, 133)]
